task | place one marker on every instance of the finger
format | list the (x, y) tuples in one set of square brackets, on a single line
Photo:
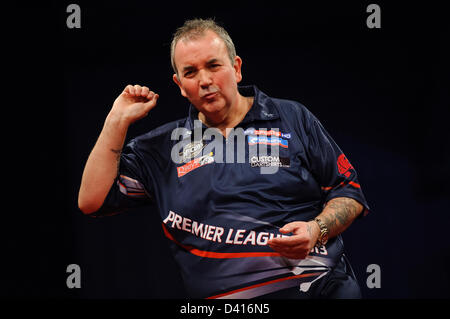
[(137, 90), (294, 251), (144, 92), (287, 241), (129, 89), (286, 249), (298, 252), (150, 95)]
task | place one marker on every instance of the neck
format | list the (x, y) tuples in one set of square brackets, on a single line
[(229, 119)]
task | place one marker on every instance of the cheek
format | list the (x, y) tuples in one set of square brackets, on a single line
[(231, 80), (190, 89), (225, 80), (228, 76)]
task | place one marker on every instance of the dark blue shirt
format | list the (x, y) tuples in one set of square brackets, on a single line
[(219, 211)]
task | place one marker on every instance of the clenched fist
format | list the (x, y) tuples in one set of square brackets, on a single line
[(297, 246), (134, 103)]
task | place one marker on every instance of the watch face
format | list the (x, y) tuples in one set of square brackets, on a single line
[(323, 238)]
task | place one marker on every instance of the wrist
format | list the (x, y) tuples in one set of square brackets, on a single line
[(315, 231), (117, 121), (113, 133)]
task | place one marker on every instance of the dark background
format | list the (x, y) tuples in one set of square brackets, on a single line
[(381, 93)]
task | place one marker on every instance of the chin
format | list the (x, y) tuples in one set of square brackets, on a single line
[(213, 107)]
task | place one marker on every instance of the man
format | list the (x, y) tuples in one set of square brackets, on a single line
[(235, 231)]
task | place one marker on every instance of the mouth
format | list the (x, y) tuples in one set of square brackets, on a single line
[(210, 96), (210, 93)]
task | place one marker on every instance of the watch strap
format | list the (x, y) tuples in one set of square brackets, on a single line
[(323, 236)]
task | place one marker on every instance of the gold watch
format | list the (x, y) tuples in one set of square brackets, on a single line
[(323, 236)]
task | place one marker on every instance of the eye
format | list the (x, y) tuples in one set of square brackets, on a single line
[(188, 74)]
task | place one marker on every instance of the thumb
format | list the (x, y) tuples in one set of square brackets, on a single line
[(151, 103), (290, 227)]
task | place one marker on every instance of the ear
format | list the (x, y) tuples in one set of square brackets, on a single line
[(237, 68), (178, 82)]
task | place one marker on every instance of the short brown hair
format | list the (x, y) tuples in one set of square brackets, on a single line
[(195, 28)]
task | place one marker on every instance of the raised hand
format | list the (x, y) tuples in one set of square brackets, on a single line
[(134, 103)]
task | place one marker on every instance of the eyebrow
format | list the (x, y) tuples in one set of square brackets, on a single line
[(212, 61), (190, 67)]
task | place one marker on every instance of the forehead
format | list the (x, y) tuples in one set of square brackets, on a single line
[(194, 50)]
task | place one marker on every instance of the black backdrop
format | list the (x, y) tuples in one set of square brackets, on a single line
[(379, 92)]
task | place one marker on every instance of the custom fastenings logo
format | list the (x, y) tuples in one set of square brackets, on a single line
[(269, 161)]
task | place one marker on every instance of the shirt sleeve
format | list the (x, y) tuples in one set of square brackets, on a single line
[(128, 190), (329, 165)]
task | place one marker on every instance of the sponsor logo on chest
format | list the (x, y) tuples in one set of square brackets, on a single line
[(269, 161)]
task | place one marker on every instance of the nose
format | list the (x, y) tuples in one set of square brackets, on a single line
[(204, 79)]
